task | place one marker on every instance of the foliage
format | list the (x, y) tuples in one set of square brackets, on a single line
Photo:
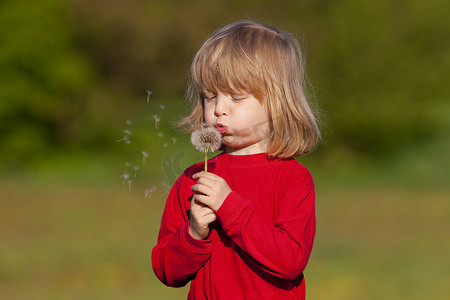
[(42, 79), (71, 69)]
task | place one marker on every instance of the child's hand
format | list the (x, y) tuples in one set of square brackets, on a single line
[(201, 217), (212, 190)]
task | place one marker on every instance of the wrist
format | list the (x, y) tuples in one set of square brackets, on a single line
[(194, 233)]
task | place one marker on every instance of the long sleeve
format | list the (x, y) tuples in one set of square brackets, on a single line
[(283, 248), (261, 241), (177, 256)]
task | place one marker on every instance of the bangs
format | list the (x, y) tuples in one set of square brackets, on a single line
[(229, 63), (220, 75)]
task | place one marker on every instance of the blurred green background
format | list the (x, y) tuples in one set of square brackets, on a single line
[(89, 91)]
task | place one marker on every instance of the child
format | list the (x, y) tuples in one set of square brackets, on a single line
[(245, 228)]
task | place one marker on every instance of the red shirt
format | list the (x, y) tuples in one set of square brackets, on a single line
[(261, 241)]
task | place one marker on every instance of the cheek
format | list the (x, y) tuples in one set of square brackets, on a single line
[(208, 115)]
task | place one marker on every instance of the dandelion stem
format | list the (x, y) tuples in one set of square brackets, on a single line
[(206, 158)]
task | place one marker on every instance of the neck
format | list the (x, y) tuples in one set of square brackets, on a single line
[(247, 150)]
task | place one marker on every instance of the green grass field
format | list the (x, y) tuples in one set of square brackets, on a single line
[(75, 242)]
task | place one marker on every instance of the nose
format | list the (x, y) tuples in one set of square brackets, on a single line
[(220, 108)]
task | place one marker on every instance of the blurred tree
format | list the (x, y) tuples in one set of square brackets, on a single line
[(41, 78), (380, 68)]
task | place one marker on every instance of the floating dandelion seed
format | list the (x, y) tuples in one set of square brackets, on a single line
[(128, 122), (135, 170), (144, 156), (162, 106), (206, 139), (148, 192), (165, 145), (166, 187), (160, 134), (157, 120), (174, 139), (149, 93), (127, 165), (126, 137), (129, 184), (125, 177)]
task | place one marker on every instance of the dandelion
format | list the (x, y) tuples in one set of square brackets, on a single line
[(149, 93), (157, 120), (144, 156), (206, 139)]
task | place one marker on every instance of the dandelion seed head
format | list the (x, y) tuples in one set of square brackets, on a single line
[(206, 139)]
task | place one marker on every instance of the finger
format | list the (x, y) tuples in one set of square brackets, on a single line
[(204, 174), (210, 218), (199, 205), (205, 181), (201, 189), (203, 200)]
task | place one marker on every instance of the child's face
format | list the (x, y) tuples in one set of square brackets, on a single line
[(241, 119)]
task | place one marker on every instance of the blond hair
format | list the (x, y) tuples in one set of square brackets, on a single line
[(267, 63)]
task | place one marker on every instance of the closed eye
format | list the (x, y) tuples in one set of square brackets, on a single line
[(239, 98), (208, 96)]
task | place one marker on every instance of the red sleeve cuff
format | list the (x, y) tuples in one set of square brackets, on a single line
[(231, 210), (194, 245)]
